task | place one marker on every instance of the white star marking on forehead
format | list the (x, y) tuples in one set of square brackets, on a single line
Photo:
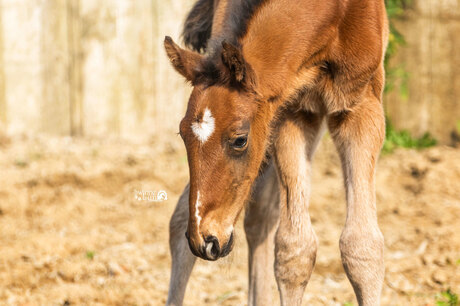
[(205, 128)]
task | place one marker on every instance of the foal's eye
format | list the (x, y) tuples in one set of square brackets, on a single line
[(240, 142)]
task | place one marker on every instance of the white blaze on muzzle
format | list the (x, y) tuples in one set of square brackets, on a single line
[(202, 131), (197, 211), (205, 128)]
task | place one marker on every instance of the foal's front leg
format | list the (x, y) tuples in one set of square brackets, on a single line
[(260, 223), (358, 136), (296, 242), (182, 258)]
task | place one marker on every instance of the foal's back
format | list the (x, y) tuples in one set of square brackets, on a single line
[(331, 47)]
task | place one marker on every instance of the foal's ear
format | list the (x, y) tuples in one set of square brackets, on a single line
[(185, 62), (240, 70)]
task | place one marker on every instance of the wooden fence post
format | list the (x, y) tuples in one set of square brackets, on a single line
[(431, 59), (75, 67), (3, 110), (54, 58)]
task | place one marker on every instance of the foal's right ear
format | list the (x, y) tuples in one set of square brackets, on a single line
[(240, 70), (185, 62)]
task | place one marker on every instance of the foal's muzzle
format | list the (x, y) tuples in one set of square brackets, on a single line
[(211, 248)]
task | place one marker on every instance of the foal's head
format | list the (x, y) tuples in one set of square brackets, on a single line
[(225, 133)]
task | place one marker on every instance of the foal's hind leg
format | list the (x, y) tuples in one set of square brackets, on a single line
[(358, 136), (260, 223), (182, 258), (296, 242)]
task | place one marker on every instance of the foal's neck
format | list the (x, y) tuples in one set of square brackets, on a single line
[(286, 41)]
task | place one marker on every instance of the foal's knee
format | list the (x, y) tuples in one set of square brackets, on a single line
[(295, 257), (362, 241), (362, 257)]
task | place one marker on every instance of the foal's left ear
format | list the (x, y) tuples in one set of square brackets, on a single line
[(185, 62), (240, 70)]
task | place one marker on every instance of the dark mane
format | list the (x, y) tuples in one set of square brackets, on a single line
[(198, 24), (236, 20)]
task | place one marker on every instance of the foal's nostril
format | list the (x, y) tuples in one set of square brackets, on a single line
[(212, 248), (227, 248)]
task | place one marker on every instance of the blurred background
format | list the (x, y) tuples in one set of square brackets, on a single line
[(89, 68), (97, 68), (89, 111)]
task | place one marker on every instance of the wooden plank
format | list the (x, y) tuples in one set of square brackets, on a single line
[(75, 67), (431, 59), (54, 104), (3, 109)]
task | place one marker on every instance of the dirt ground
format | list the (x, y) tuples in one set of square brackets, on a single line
[(72, 232)]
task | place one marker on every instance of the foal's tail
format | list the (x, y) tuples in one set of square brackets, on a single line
[(198, 25)]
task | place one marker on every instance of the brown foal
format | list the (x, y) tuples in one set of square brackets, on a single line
[(274, 75)]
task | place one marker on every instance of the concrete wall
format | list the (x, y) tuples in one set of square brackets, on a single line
[(97, 67)]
